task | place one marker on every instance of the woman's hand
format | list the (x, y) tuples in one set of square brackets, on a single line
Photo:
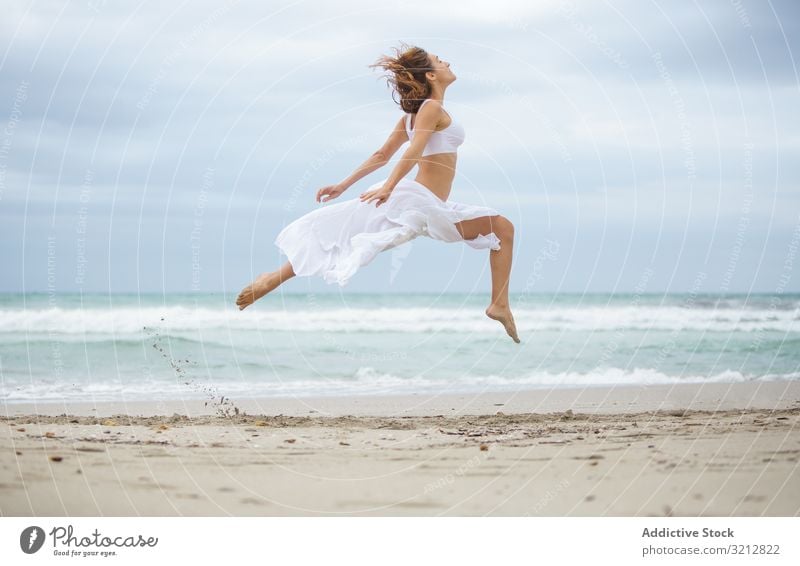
[(331, 191), (380, 195)]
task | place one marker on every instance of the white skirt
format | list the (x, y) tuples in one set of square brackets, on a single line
[(335, 240)]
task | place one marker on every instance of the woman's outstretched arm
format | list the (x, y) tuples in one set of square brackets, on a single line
[(381, 157), (375, 161), (424, 126)]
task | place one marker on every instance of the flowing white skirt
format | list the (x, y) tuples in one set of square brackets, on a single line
[(335, 240)]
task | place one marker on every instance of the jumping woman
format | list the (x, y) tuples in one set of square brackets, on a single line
[(335, 241)]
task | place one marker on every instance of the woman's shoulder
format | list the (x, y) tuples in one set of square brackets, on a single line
[(433, 104)]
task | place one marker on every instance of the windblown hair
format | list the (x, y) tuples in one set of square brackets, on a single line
[(407, 75)]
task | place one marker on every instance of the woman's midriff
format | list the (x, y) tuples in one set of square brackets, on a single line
[(437, 173)]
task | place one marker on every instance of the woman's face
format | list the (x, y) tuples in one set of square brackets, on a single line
[(442, 69)]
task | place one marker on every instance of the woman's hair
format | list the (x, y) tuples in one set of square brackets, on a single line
[(407, 75)]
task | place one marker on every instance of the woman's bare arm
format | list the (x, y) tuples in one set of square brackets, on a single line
[(424, 126), (381, 157), (375, 161)]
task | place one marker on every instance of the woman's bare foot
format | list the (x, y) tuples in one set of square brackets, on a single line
[(504, 316), (265, 283)]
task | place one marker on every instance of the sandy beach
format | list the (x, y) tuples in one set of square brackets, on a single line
[(682, 450)]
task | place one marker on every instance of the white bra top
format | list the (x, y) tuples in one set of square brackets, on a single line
[(443, 141)]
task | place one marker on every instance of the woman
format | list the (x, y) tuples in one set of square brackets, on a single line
[(334, 241)]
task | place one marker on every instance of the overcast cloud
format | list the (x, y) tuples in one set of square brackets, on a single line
[(150, 146)]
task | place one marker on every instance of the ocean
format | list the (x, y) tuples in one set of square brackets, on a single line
[(100, 347)]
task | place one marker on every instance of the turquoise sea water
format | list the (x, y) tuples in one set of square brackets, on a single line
[(155, 347)]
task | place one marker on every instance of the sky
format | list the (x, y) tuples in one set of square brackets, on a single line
[(637, 146)]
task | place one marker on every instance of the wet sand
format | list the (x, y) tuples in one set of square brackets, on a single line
[(689, 450)]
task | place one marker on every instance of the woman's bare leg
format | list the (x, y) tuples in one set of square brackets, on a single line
[(265, 283), (500, 262)]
